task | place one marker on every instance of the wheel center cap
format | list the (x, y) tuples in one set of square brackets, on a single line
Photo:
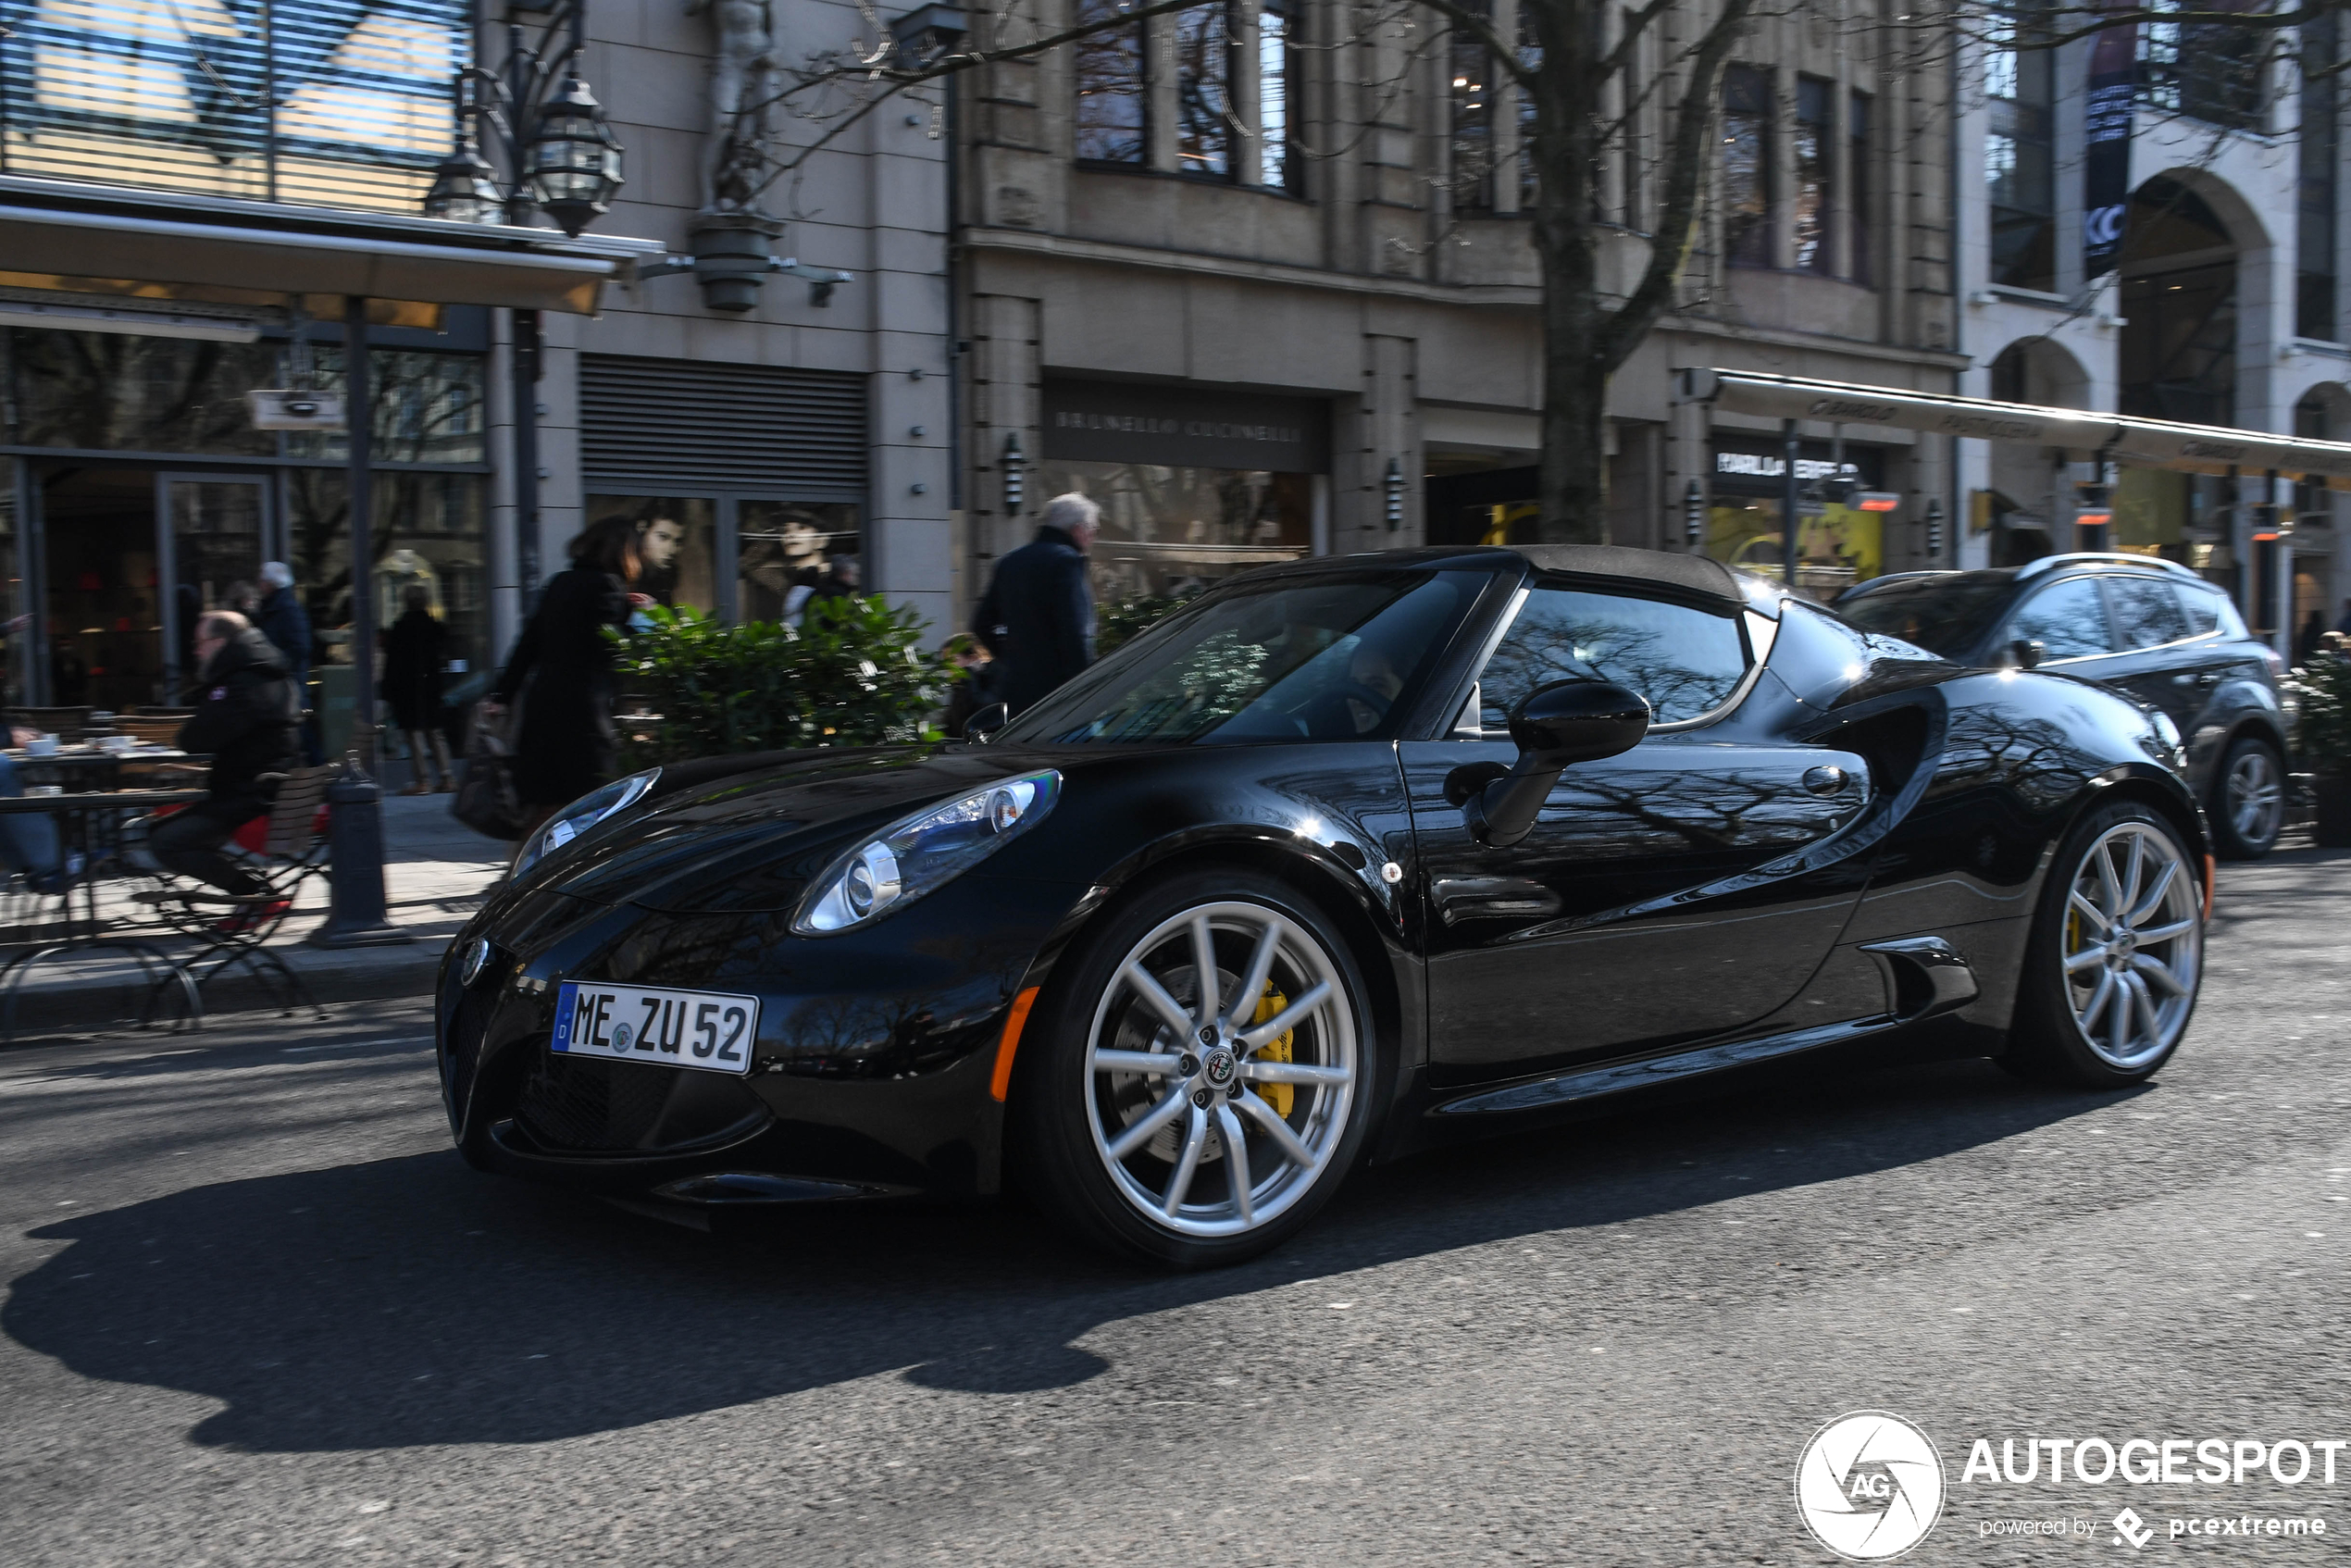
[(2124, 944), (1218, 1067)]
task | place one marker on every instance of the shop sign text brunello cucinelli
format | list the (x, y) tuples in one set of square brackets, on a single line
[(1184, 427)]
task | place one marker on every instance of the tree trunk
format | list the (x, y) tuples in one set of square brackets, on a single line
[(1568, 149)]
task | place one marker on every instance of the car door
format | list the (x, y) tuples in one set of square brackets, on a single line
[(1591, 937), (2160, 661)]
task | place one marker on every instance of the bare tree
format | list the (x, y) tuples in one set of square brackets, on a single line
[(1593, 71)]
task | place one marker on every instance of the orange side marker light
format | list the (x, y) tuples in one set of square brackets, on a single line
[(1001, 1083), (2211, 866)]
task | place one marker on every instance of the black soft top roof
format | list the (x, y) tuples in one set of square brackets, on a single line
[(1694, 576)]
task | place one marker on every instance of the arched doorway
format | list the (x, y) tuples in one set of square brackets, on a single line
[(2030, 501), (2179, 274)]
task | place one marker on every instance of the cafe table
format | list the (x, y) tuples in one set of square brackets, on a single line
[(85, 931)]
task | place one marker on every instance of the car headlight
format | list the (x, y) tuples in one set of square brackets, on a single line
[(917, 854), (582, 815), (2165, 731)]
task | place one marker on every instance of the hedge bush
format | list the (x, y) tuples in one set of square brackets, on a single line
[(852, 673)]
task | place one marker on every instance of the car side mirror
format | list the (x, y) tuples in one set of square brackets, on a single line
[(1555, 727), (982, 725), (2025, 653)]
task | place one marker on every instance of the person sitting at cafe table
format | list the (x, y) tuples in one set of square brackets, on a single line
[(29, 840), (248, 714)]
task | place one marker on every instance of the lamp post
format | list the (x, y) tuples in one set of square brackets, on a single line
[(559, 157)]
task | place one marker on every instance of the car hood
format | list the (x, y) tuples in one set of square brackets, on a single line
[(749, 841)]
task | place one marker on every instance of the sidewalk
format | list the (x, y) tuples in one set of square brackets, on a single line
[(436, 874)]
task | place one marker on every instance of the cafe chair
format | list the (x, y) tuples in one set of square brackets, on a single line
[(68, 724), (233, 929)]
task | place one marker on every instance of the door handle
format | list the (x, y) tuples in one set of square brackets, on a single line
[(1826, 779)]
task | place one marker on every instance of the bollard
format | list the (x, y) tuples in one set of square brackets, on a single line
[(355, 864)]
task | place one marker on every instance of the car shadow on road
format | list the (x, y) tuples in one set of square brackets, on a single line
[(409, 1300)]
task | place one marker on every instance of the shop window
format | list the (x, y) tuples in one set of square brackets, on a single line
[(2020, 155), (1747, 165), (428, 531), (1204, 92), (427, 407), (1113, 100), (788, 552), (1685, 662), (677, 541), (1278, 55), (2319, 148), (1171, 531), (124, 393), (1815, 143)]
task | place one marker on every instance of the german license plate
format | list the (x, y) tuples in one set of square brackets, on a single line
[(708, 1030)]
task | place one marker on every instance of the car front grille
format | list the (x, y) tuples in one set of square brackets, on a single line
[(583, 1105)]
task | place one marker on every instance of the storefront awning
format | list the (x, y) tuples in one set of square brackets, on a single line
[(102, 231), (2133, 443)]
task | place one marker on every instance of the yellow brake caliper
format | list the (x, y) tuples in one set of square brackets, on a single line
[(1270, 1006)]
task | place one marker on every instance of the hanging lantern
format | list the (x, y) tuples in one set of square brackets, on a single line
[(572, 166), (464, 188)]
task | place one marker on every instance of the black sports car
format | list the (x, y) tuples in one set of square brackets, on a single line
[(1345, 858)]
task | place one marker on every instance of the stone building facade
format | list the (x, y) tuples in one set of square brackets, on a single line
[(2193, 274), (1265, 286)]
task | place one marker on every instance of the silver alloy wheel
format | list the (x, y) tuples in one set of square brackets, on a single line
[(2254, 796), (2134, 944), (1211, 1120)]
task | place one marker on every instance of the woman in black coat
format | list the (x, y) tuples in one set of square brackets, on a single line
[(415, 652), (562, 672)]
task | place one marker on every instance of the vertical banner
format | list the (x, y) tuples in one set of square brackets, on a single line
[(2105, 151)]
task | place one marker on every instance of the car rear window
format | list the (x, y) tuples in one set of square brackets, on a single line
[(2208, 611), (2066, 619), (1942, 615), (2146, 611)]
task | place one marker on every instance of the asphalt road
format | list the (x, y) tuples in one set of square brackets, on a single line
[(257, 1312)]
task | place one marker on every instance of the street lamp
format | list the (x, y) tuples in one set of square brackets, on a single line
[(572, 166), (546, 127), (561, 158)]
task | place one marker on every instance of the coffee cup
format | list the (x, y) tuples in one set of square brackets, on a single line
[(119, 745), (40, 746)]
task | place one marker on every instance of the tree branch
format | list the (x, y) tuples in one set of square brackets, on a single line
[(1677, 207)]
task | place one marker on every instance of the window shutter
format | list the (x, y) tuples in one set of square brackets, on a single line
[(676, 424)]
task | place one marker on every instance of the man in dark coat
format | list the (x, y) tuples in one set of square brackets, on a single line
[(1038, 619), (246, 717), (280, 617)]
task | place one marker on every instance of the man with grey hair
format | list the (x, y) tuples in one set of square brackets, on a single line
[(1038, 618), (280, 617)]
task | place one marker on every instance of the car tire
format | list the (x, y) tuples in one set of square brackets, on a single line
[(2248, 799), (2103, 1001), (1101, 1057)]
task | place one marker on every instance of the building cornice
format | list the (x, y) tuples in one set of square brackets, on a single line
[(1504, 296)]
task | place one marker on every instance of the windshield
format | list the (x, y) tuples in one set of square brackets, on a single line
[(1325, 659), (1943, 615)]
